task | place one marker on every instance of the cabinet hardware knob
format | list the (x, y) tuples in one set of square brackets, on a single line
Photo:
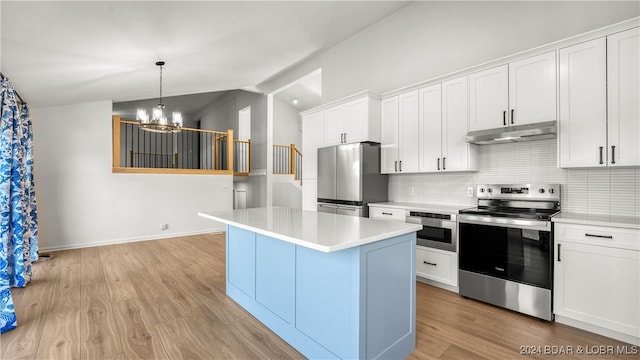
[(430, 263), (601, 155), (512, 110), (599, 236), (613, 154)]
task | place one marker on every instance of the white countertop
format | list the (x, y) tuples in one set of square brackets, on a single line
[(435, 208), (318, 231), (628, 222)]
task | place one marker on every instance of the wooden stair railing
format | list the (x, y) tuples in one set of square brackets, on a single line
[(287, 159)]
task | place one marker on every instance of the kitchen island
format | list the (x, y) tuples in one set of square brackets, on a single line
[(332, 286)]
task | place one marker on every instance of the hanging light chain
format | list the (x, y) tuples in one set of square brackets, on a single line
[(160, 63)]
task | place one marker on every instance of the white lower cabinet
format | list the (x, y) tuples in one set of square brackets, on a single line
[(597, 280), (384, 213), (438, 265)]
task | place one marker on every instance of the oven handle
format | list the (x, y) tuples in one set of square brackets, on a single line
[(438, 223), (507, 223)]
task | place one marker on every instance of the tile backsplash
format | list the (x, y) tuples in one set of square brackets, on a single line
[(607, 191)]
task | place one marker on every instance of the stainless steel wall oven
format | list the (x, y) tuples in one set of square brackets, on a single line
[(506, 247)]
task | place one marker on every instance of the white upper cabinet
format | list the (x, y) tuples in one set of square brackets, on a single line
[(355, 121), (522, 92), (431, 128), (623, 61), (488, 98), (583, 104), (443, 127), (457, 154), (334, 126), (409, 134), (532, 89), (400, 137), (389, 135), (597, 78)]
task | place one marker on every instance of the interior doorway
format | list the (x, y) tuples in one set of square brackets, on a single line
[(284, 165)]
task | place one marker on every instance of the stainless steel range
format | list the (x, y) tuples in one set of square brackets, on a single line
[(506, 247)]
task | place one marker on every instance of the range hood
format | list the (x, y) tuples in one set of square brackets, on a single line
[(517, 133)]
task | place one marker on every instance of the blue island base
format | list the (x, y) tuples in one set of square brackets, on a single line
[(357, 303)]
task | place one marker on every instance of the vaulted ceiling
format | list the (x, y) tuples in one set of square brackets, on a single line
[(60, 53)]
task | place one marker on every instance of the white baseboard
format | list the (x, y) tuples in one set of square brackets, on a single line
[(437, 284), (128, 240), (598, 330)]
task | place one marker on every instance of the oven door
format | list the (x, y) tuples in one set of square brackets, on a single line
[(511, 249)]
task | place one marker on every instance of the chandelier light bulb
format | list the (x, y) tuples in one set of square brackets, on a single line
[(176, 119), (142, 116)]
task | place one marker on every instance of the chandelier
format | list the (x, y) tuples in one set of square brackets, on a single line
[(158, 121)]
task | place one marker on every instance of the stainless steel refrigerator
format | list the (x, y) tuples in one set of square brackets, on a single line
[(349, 178)]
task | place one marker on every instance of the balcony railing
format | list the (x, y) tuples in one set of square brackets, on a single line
[(287, 159), (242, 160), (190, 151)]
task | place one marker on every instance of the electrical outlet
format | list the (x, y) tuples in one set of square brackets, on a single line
[(470, 191), (164, 226), (412, 190)]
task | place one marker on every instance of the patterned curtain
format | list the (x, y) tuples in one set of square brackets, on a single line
[(18, 220)]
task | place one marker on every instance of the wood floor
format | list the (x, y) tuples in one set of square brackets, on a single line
[(165, 299)]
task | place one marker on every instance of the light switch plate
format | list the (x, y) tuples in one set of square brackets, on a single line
[(470, 191)]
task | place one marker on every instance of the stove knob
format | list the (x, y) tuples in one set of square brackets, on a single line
[(481, 190), (490, 190), (551, 191), (541, 191)]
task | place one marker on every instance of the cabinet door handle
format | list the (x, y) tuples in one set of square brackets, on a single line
[(444, 166), (599, 236), (601, 155), (504, 118), (613, 154), (438, 164), (386, 213), (400, 165), (512, 110), (345, 138), (430, 263), (395, 165), (559, 252)]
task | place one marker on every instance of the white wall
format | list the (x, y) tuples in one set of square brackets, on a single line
[(606, 191), (222, 114), (82, 203), (287, 128), (428, 39)]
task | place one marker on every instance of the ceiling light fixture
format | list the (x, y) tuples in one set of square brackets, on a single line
[(295, 101), (158, 122)]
